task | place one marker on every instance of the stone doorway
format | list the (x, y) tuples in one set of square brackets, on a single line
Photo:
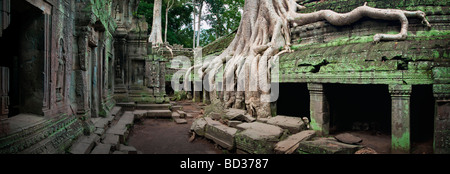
[(293, 100), (23, 54), (422, 119)]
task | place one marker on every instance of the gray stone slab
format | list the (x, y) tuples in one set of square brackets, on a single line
[(182, 113), (189, 115), (102, 123), (102, 149), (118, 153), (232, 123), (116, 110), (326, 146), (293, 124), (128, 149), (290, 144), (176, 108), (99, 131), (159, 113), (93, 138), (111, 139), (180, 121), (175, 115), (127, 118), (153, 106), (249, 118), (348, 138), (81, 148), (198, 126), (138, 114), (257, 138), (221, 134), (262, 120)]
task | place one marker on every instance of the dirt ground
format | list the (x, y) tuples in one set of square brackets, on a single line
[(164, 136), (381, 143)]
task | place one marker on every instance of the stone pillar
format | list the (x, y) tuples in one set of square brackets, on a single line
[(400, 118), (442, 119), (319, 110)]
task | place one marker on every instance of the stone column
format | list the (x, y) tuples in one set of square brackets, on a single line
[(400, 118), (442, 119), (319, 110)]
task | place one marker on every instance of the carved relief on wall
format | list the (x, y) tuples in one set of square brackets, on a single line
[(61, 72)]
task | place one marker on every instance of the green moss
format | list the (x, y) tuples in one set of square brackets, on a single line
[(403, 142)]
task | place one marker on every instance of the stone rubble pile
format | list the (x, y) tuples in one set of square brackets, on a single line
[(236, 131)]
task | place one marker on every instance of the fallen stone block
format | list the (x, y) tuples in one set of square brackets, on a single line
[(99, 131), (249, 118), (189, 115), (176, 108), (182, 113), (175, 115), (198, 126), (293, 124), (128, 149), (221, 134), (180, 121), (113, 140), (102, 149), (326, 146), (85, 144), (290, 144), (235, 114), (348, 138), (232, 123), (262, 120), (257, 138)]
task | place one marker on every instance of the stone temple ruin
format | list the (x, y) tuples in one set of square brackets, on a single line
[(76, 74)]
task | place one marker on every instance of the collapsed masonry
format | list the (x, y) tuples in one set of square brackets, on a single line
[(236, 131)]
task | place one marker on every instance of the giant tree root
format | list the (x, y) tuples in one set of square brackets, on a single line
[(263, 34)]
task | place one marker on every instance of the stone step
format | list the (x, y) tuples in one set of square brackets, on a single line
[(293, 124), (112, 140), (175, 115), (182, 113), (102, 149), (159, 114), (127, 106), (153, 106), (85, 144), (290, 144), (116, 111), (326, 146), (103, 122), (128, 149), (121, 128)]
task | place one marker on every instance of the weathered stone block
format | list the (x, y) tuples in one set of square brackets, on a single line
[(198, 126), (159, 113), (128, 149), (290, 144), (232, 123), (326, 146), (221, 134), (180, 121), (293, 124), (102, 149), (258, 138)]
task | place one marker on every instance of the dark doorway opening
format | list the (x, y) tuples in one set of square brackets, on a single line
[(293, 100), (422, 119), (22, 46), (359, 108)]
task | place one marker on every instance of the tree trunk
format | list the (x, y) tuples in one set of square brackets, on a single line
[(156, 34), (193, 37), (169, 6), (199, 22), (263, 30)]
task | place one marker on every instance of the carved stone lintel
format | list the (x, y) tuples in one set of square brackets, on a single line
[(400, 90)]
